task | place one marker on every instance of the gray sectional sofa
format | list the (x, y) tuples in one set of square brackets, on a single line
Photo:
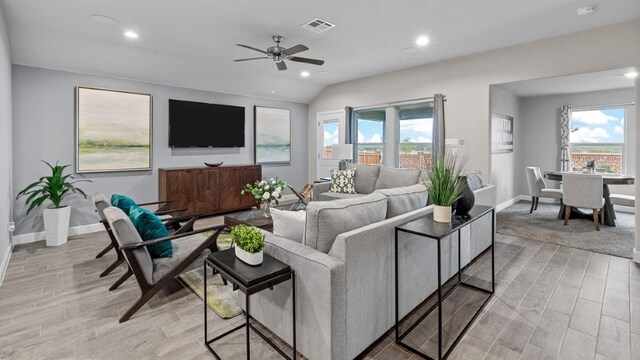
[(345, 266)]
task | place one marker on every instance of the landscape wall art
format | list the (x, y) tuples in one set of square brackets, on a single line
[(113, 130), (272, 135)]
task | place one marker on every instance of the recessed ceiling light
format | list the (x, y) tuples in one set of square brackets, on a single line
[(273, 91), (305, 74), (422, 41), (586, 10), (632, 74), (131, 34)]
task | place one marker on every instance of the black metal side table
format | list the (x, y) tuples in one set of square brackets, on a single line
[(250, 280), (428, 228)]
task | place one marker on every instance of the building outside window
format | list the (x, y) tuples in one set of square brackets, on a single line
[(598, 134)]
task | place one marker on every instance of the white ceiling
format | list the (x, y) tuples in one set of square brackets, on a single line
[(191, 43), (596, 81)]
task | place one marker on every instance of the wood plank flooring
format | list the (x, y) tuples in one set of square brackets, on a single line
[(551, 302)]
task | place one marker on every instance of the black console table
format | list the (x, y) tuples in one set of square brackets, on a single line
[(250, 280), (432, 230)]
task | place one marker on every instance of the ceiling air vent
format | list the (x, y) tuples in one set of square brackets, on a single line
[(318, 25)]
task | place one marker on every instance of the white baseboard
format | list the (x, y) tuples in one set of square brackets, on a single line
[(4, 263), (39, 236)]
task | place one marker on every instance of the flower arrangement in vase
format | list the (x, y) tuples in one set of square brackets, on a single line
[(265, 192)]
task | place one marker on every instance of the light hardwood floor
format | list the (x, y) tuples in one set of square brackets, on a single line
[(551, 302)]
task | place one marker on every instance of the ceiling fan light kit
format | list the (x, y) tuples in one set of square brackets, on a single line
[(279, 54)]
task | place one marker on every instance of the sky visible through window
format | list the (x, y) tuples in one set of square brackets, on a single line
[(597, 126), (330, 133)]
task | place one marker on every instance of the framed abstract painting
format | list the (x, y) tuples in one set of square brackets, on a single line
[(272, 135), (113, 130)]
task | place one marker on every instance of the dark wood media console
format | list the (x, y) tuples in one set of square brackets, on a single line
[(211, 190)]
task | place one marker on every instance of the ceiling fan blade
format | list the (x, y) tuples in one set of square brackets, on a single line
[(255, 58), (252, 48), (295, 49), (307, 60), (281, 65)]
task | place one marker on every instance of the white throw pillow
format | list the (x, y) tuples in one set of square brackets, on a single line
[(289, 224)]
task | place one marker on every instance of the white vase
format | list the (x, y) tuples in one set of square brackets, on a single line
[(442, 213), (56, 225), (249, 258)]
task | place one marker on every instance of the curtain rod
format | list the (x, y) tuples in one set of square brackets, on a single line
[(588, 107), (393, 103)]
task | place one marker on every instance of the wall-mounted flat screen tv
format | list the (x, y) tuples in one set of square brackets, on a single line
[(194, 124)]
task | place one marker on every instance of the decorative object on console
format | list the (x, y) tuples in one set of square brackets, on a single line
[(113, 130), (342, 152), (445, 184), (466, 201), (249, 243), (214, 164), (54, 188), (265, 192), (272, 135), (343, 181)]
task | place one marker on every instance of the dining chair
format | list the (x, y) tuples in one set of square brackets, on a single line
[(583, 191), (538, 187)]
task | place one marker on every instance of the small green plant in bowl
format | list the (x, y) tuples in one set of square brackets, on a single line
[(249, 243)]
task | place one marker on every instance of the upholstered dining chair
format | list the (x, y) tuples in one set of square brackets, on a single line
[(153, 274), (583, 191), (538, 187)]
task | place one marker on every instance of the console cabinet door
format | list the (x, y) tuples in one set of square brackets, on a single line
[(229, 180), (178, 189), (205, 190)]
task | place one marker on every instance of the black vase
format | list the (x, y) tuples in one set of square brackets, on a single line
[(466, 202)]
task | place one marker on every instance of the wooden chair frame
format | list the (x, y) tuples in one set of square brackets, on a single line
[(149, 290), (302, 195)]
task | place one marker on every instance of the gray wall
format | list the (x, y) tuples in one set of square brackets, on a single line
[(43, 102), (503, 165), (541, 143), (5, 145)]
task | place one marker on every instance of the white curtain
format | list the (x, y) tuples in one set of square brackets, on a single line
[(565, 133)]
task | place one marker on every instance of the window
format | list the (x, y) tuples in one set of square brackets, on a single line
[(368, 136), (331, 131), (415, 135), (598, 134)]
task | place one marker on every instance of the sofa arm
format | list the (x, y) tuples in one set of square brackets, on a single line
[(320, 300), (320, 188), (486, 195)]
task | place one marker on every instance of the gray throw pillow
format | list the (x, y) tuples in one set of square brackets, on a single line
[(392, 178), (475, 181), (366, 177), (328, 219)]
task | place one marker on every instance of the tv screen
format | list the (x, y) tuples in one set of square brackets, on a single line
[(194, 124)]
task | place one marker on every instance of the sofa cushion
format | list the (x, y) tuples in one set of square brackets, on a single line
[(405, 199), (343, 181), (328, 219), (150, 227), (393, 178), (328, 196), (289, 224), (366, 177)]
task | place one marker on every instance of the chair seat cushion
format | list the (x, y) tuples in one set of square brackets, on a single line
[(181, 249), (623, 200), (150, 227), (123, 203), (551, 193)]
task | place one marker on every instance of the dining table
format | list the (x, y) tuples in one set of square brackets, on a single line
[(607, 179)]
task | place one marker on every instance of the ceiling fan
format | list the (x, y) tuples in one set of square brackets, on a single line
[(279, 54)]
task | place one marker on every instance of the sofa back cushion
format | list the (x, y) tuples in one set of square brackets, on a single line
[(405, 199), (366, 177), (327, 219), (393, 178)]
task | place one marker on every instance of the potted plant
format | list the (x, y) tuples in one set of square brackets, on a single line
[(265, 192), (249, 243), (54, 188), (444, 182)]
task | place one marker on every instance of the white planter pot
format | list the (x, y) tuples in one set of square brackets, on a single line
[(442, 213), (56, 225), (249, 258)]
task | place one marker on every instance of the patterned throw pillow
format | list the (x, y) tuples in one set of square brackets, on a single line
[(343, 181)]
